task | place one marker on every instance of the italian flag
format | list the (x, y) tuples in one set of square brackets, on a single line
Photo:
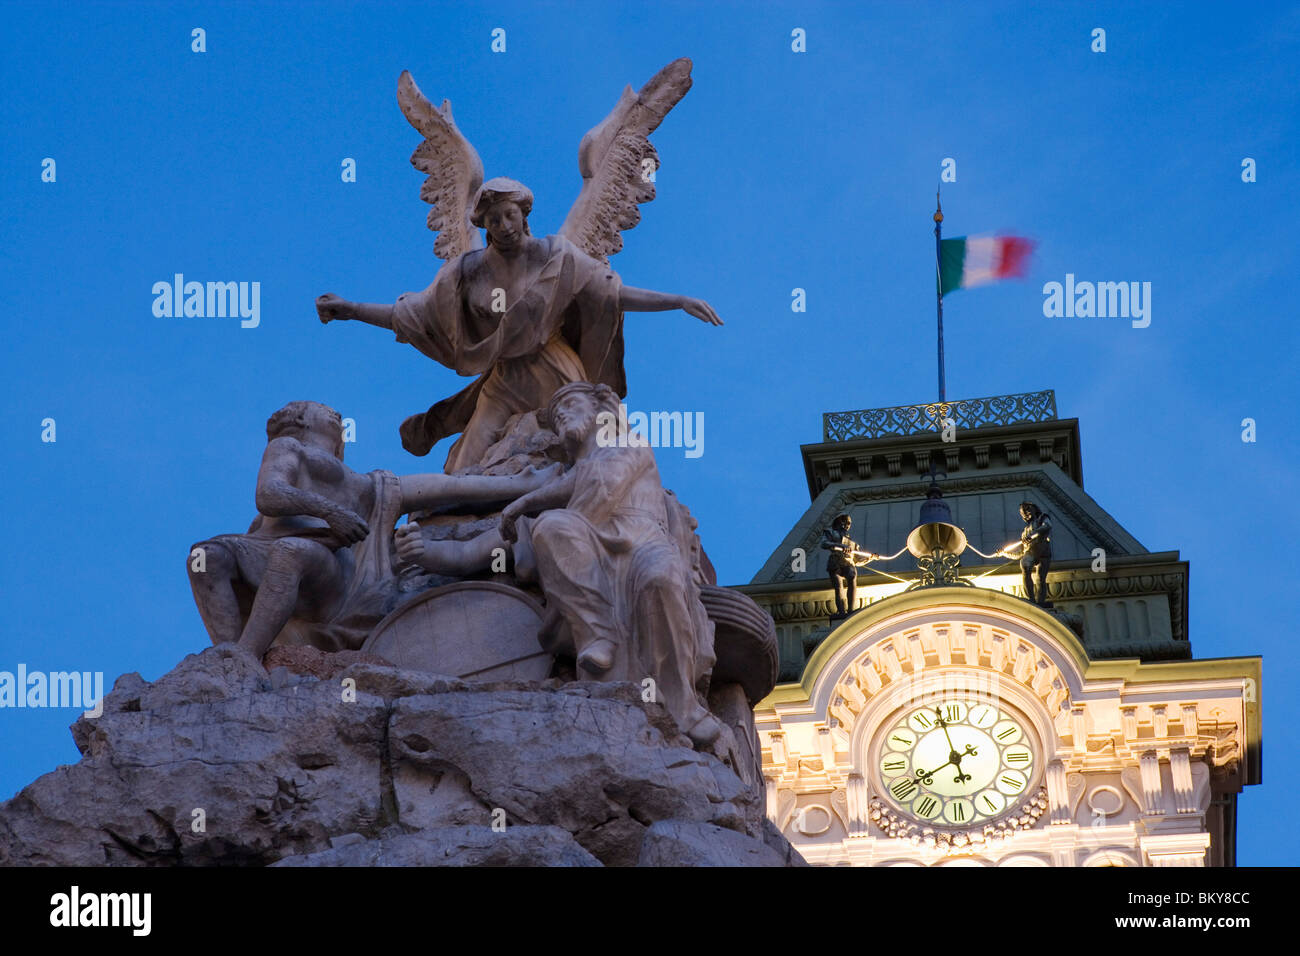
[(979, 260)]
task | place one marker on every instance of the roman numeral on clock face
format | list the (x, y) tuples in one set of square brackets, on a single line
[(900, 738), (926, 806), (1017, 756), (1011, 783), (990, 803), (922, 720), (904, 789), (959, 811), (1009, 732), (894, 764)]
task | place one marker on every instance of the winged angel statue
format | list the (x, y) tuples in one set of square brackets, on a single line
[(526, 315)]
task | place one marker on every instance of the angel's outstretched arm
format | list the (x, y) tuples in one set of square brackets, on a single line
[(454, 173), (331, 307), (631, 299)]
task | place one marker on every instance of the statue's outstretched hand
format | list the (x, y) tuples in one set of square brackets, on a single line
[(701, 310), (330, 307)]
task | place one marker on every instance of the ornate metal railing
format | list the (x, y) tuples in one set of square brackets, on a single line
[(906, 420)]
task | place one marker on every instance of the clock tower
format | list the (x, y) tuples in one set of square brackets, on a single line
[(947, 718)]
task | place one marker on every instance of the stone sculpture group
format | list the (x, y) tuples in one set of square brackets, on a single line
[(536, 668), (601, 571)]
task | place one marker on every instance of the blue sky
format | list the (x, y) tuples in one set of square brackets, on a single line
[(780, 170)]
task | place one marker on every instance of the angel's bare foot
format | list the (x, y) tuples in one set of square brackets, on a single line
[(597, 657)]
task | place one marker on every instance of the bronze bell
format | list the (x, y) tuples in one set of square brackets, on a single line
[(935, 532)]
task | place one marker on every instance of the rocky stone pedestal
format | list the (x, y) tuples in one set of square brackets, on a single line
[(341, 760)]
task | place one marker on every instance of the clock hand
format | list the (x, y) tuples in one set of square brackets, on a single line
[(956, 761), (927, 776), (938, 715), (954, 757)]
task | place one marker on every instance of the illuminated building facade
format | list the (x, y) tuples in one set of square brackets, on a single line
[(947, 720)]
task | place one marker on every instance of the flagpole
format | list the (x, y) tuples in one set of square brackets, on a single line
[(938, 267)]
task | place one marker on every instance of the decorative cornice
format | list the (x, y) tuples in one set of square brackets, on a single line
[(819, 601), (816, 604)]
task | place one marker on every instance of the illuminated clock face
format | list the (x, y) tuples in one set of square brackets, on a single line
[(957, 762)]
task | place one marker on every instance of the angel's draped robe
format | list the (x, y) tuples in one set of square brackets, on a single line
[(565, 327)]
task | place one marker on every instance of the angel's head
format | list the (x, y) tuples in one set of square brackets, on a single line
[(501, 206)]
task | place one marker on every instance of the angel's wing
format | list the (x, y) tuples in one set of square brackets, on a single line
[(617, 163), (454, 169)]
